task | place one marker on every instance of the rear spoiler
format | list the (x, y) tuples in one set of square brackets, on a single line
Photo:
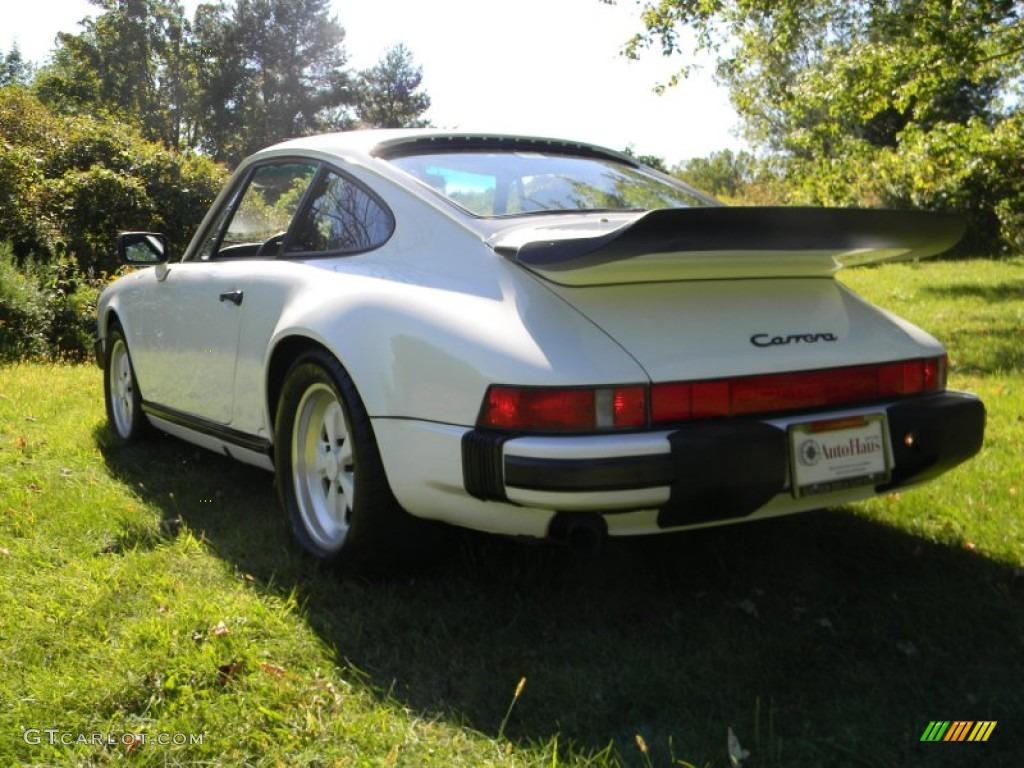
[(725, 242)]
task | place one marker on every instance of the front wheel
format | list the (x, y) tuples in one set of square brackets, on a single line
[(330, 477), (121, 390)]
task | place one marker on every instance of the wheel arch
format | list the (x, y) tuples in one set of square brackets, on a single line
[(286, 351)]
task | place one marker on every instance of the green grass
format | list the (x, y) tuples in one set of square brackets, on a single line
[(154, 590)]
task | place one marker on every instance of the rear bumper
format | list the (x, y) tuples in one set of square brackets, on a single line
[(706, 472)]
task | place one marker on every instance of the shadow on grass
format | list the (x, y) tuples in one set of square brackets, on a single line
[(1011, 290), (822, 639)]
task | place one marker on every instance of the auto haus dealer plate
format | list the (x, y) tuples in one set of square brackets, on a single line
[(837, 454)]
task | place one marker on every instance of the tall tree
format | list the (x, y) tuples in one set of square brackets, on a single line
[(14, 70), (872, 102), (389, 92), (270, 70), (131, 60), (804, 74)]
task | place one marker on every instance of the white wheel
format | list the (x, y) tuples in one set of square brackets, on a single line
[(323, 467), (330, 478), (121, 390)]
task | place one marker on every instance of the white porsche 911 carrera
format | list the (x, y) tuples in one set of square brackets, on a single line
[(529, 337)]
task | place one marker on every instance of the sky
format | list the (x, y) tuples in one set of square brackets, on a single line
[(544, 67)]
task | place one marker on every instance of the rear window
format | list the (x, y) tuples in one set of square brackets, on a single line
[(510, 183)]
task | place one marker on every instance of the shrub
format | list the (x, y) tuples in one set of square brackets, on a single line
[(25, 317)]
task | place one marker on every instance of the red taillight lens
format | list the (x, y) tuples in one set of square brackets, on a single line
[(629, 407), (539, 408), (579, 409), (555, 409), (779, 393)]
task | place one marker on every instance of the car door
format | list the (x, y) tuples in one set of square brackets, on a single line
[(194, 313), (193, 319)]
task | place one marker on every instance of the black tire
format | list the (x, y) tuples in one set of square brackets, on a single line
[(330, 478), (121, 393)]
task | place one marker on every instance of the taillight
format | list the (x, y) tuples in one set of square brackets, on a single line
[(564, 409), (588, 409), (805, 390)]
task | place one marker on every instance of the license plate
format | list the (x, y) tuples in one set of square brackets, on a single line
[(833, 455)]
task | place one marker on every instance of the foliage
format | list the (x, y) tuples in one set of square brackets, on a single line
[(269, 70), (852, 97), (722, 174), (69, 183), (132, 60), (14, 70), (389, 92), (24, 316), (46, 310), (242, 74)]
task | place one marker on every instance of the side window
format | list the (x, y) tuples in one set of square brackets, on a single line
[(341, 216), (254, 224)]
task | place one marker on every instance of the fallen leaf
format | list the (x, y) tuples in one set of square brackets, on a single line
[(197, 636), (131, 743), (20, 442), (641, 744), (226, 672), (273, 669), (5, 552), (220, 630)]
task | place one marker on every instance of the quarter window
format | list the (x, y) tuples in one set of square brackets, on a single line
[(341, 216)]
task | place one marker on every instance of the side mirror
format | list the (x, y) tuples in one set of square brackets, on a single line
[(142, 248)]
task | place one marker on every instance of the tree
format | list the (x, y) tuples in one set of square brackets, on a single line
[(14, 70), (132, 60), (389, 92), (723, 174), (269, 70), (850, 95)]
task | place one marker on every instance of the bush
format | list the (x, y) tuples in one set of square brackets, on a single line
[(47, 310), (68, 184), (25, 317)]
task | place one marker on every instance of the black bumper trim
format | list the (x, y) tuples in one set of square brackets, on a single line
[(721, 470), (933, 435), (483, 474)]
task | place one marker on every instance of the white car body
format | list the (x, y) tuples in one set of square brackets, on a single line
[(453, 303)]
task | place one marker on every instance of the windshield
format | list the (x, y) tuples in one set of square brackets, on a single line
[(507, 183)]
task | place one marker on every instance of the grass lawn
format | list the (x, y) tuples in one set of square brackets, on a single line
[(154, 612)]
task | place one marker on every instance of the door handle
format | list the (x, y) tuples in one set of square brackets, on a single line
[(235, 297)]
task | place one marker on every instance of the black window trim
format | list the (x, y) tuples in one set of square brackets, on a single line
[(241, 184), (327, 168)]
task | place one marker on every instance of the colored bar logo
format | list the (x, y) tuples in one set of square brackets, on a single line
[(958, 730)]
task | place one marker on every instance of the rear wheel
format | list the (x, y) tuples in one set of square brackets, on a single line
[(121, 390), (330, 477)]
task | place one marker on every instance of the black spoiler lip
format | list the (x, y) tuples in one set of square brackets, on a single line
[(856, 232)]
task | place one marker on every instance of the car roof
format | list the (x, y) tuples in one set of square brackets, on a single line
[(369, 144)]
